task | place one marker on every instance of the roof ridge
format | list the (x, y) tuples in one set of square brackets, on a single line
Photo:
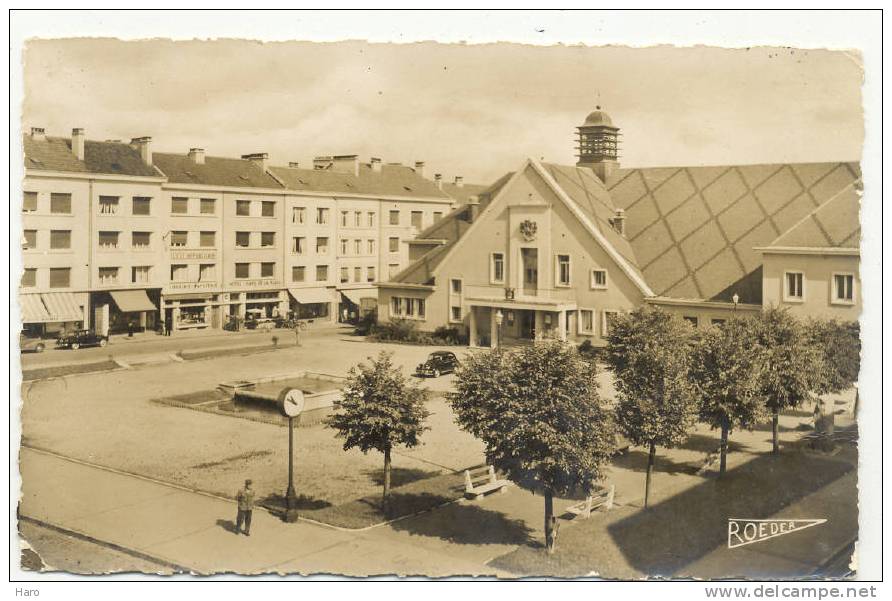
[(812, 213)]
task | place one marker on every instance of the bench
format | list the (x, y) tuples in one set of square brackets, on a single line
[(599, 498), (482, 480)]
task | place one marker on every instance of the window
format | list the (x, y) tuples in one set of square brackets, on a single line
[(599, 279), (607, 318), (207, 206), (455, 286), (394, 218), (419, 308), (29, 202), (438, 215), (208, 239), (140, 275), (357, 218), (843, 288), (393, 244), (371, 219), (718, 321), (207, 272), (345, 215), (793, 286), (497, 268), (179, 273), (396, 306), (345, 275), (586, 321), (62, 239), (298, 273), (417, 216), (108, 240), (29, 278), (108, 275), (268, 208), (322, 246), (60, 203), (371, 247), (321, 216), (60, 277), (343, 246), (30, 240), (563, 270), (298, 214), (108, 205), (455, 314), (140, 240), (242, 270), (179, 205), (243, 239), (179, 239), (321, 273), (297, 245), (357, 247), (693, 320), (393, 269), (267, 270), (370, 273), (267, 239), (142, 205), (243, 208), (357, 274)]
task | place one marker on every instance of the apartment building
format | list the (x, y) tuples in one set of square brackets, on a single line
[(118, 237), (557, 250)]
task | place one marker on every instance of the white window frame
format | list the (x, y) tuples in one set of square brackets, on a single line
[(595, 286), (461, 285), (834, 298), (452, 318), (557, 271), (786, 289), (604, 314), (579, 321), (694, 320), (492, 268)]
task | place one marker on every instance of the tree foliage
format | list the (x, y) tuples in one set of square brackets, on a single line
[(793, 365), (839, 342)]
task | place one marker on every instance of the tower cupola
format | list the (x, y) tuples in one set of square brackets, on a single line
[(598, 144)]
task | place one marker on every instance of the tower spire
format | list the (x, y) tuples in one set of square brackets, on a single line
[(598, 143)]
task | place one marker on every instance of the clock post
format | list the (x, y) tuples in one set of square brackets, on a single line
[(291, 403)]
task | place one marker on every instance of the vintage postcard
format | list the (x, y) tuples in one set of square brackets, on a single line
[(440, 309)]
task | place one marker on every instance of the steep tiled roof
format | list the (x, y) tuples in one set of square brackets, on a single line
[(393, 180), (216, 171), (834, 224), (693, 229), (54, 154)]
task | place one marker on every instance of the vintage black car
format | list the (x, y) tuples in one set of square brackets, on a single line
[(75, 340), (439, 362)]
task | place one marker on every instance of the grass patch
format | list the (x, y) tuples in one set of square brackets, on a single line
[(407, 499), (229, 352), (43, 373), (663, 540), (195, 398)]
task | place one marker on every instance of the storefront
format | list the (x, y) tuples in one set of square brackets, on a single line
[(312, 304), (195, 311), (126, 311), (263, 305), (48, 314), (355, 303)]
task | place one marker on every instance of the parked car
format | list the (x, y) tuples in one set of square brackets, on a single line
[(75, 340), (438, 362), (29, 344)]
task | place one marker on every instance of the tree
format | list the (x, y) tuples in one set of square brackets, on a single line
[(538, 412), (793, 365), (380, 410), (839, 342), (727, 369), (649, 352)]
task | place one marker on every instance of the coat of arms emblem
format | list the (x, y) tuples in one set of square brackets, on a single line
[(528, 230)]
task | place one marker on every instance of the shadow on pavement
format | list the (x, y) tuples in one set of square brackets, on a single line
[(276, 502), (466, 524), (400, 476), (228, 526), (705, 443), (636, 460)]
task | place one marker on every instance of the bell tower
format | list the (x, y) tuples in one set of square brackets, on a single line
[(598, 144)]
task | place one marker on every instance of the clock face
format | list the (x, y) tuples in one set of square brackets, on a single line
[(291, 402)]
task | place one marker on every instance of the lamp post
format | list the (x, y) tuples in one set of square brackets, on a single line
[(735, 299), (291, 403), (499, 318)]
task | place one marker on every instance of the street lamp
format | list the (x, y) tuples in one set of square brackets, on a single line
[(499, 318), (735, 299)]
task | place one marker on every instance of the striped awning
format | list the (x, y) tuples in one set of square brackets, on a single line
[(51, 307), (131, 301)]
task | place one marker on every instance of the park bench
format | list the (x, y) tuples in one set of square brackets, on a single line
[(482, 480), (602, 497)]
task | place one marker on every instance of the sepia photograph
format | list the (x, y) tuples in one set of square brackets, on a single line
[(350, 308)]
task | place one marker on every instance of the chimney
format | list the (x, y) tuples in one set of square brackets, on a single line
[(376, 165), (293, 165), (438, 179), (618, 221), (258, 158), (473, 208), (196, 155), (419, 168), (144, 145), (38, 133), (459, 181), (77, 142)]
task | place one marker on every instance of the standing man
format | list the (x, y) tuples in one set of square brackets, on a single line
[(297, 331), (245, 498)]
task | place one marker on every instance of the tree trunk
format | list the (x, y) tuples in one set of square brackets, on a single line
[(775, 448), (724, 446), (386, 501), (651, 459), (549, 522)]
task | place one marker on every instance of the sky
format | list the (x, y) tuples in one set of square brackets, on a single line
[(472, 110)]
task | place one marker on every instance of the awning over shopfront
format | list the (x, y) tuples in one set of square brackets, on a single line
[(51, 307), (309, 296), (130, 301), (355, 296)]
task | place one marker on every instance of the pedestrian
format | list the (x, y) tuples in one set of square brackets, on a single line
[(297, 332), (129, 328), (245, 498)]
